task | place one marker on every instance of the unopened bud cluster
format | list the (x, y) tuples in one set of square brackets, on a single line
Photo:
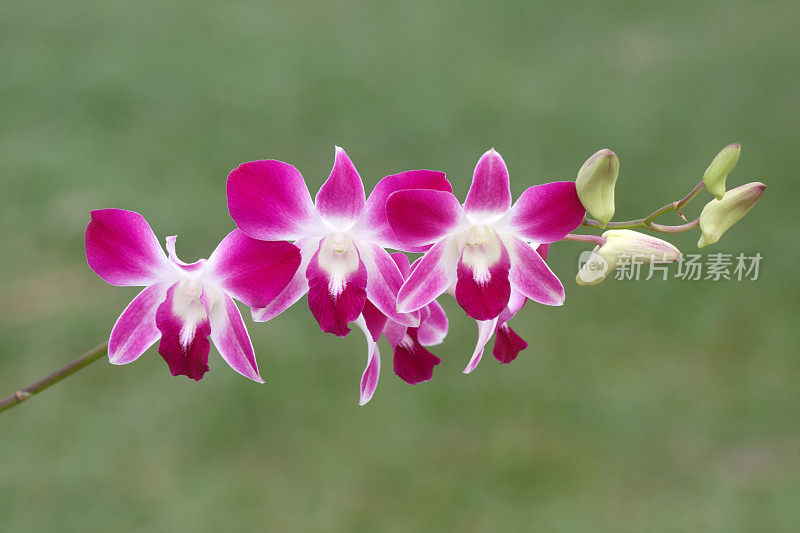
[(596, 182)]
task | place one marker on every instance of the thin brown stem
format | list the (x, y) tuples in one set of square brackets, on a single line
[(53, 378)]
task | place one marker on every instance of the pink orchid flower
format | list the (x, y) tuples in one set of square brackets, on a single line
[(507, 343), (413, 363), (341, 235), (487, 247), (183, 304)]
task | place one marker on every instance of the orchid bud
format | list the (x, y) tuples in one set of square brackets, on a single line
[(636, 247), (720, 167), (595, 183), (719, 215)]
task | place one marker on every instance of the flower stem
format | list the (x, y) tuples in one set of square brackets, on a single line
[(647, 222), (675, 229), (67, 370), (595, 239)]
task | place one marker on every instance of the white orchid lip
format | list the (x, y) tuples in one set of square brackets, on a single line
[(482, 250), (192, 303), (339, 258), (407, 342), (188, 306), (192, 288)]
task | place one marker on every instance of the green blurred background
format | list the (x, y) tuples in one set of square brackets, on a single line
[(639, 406)]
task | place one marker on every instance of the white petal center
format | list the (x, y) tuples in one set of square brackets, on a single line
[(339, 258), (482, 250), (188, 306)]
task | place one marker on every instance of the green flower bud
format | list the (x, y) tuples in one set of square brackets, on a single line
[(634, 246), (719, 215), (720, 167), (595, 183)]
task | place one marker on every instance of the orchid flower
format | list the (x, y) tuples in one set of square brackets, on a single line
[(341, 235), (183, 304), (507, 343), (413, 363), (487, 247)]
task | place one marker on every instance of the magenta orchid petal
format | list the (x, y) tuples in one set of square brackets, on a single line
[(341, 197), (373, 223), (531, 276), (402, 262), (123, 250), (413, 267), (434, 274), (189, 268), (543, 250), (229, 335), (420, 217), (374, 320), (369, 378), (515, 303), (483, 286), (135, 330), (412, 362), (545, 213), (490, 193), (394, 332), (485, 331), (252, 271), (433, 329), (269, 201), (337, 282), (184, 326), (507, 344), (296, 287), (384, 280)]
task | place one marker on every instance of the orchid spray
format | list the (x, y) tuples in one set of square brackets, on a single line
[(488, 252)]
